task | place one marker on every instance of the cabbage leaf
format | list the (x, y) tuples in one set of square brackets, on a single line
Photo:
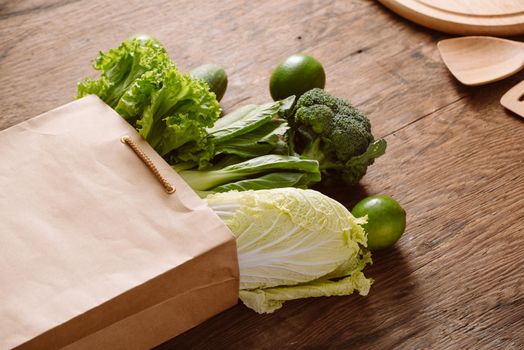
[(293, 243)]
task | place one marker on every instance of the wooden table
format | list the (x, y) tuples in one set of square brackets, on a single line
[(455, 157)]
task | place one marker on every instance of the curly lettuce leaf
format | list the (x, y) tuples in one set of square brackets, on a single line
[(170, 110), (179, 112), (121, 66)]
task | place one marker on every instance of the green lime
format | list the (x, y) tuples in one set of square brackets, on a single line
[(386, 220), (296, 75), (214, 76)]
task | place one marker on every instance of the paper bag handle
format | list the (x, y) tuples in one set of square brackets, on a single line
[(149, 163)]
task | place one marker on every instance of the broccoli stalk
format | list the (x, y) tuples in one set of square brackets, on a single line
[(336, 134)]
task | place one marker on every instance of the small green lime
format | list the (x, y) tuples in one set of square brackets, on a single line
[(386, 220), (214, 76), (296, 75)]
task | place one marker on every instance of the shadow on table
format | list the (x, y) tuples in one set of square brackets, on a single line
[(333, 322), (486, 98), (393, 302), (345, 194)]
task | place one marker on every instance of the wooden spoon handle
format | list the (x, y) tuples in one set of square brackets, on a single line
[(514, 99)]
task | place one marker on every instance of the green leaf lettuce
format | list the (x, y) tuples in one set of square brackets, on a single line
[(170, 110)]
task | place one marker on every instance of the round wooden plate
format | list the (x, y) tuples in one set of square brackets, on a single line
[(465, 17)]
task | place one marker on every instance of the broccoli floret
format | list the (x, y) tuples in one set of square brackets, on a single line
[(318, 117), (336, 134)]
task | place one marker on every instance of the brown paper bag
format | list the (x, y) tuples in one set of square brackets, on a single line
[(94, 253)]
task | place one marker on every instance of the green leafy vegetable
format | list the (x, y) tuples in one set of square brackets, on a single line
[(178, 116), (332, 131), (251, 152), (121, 67), (234, 126), (171, 110), (268, 181), (232, 117), (269, 138), (205, 180), (293, 244), (252, 130)]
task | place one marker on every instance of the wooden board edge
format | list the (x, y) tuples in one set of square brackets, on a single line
[(452, 27)]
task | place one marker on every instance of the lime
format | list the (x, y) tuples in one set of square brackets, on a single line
[(386, 220), (214, 76), (296, 75)]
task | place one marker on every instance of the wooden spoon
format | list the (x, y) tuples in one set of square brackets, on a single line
[(514, 99), (477, 60)]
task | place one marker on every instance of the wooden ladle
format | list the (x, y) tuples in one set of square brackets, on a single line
[(477, 60)]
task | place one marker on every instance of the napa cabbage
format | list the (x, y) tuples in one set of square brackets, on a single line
[(293, 243)]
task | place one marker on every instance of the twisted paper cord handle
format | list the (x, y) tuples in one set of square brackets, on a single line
[(149, 163)]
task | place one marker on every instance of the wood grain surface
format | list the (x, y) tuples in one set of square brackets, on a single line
[(455, 157), (513, 100), (465, 17)]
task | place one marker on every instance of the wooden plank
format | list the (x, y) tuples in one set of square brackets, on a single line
[(455, 159), (369, 57), (455, 279)]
